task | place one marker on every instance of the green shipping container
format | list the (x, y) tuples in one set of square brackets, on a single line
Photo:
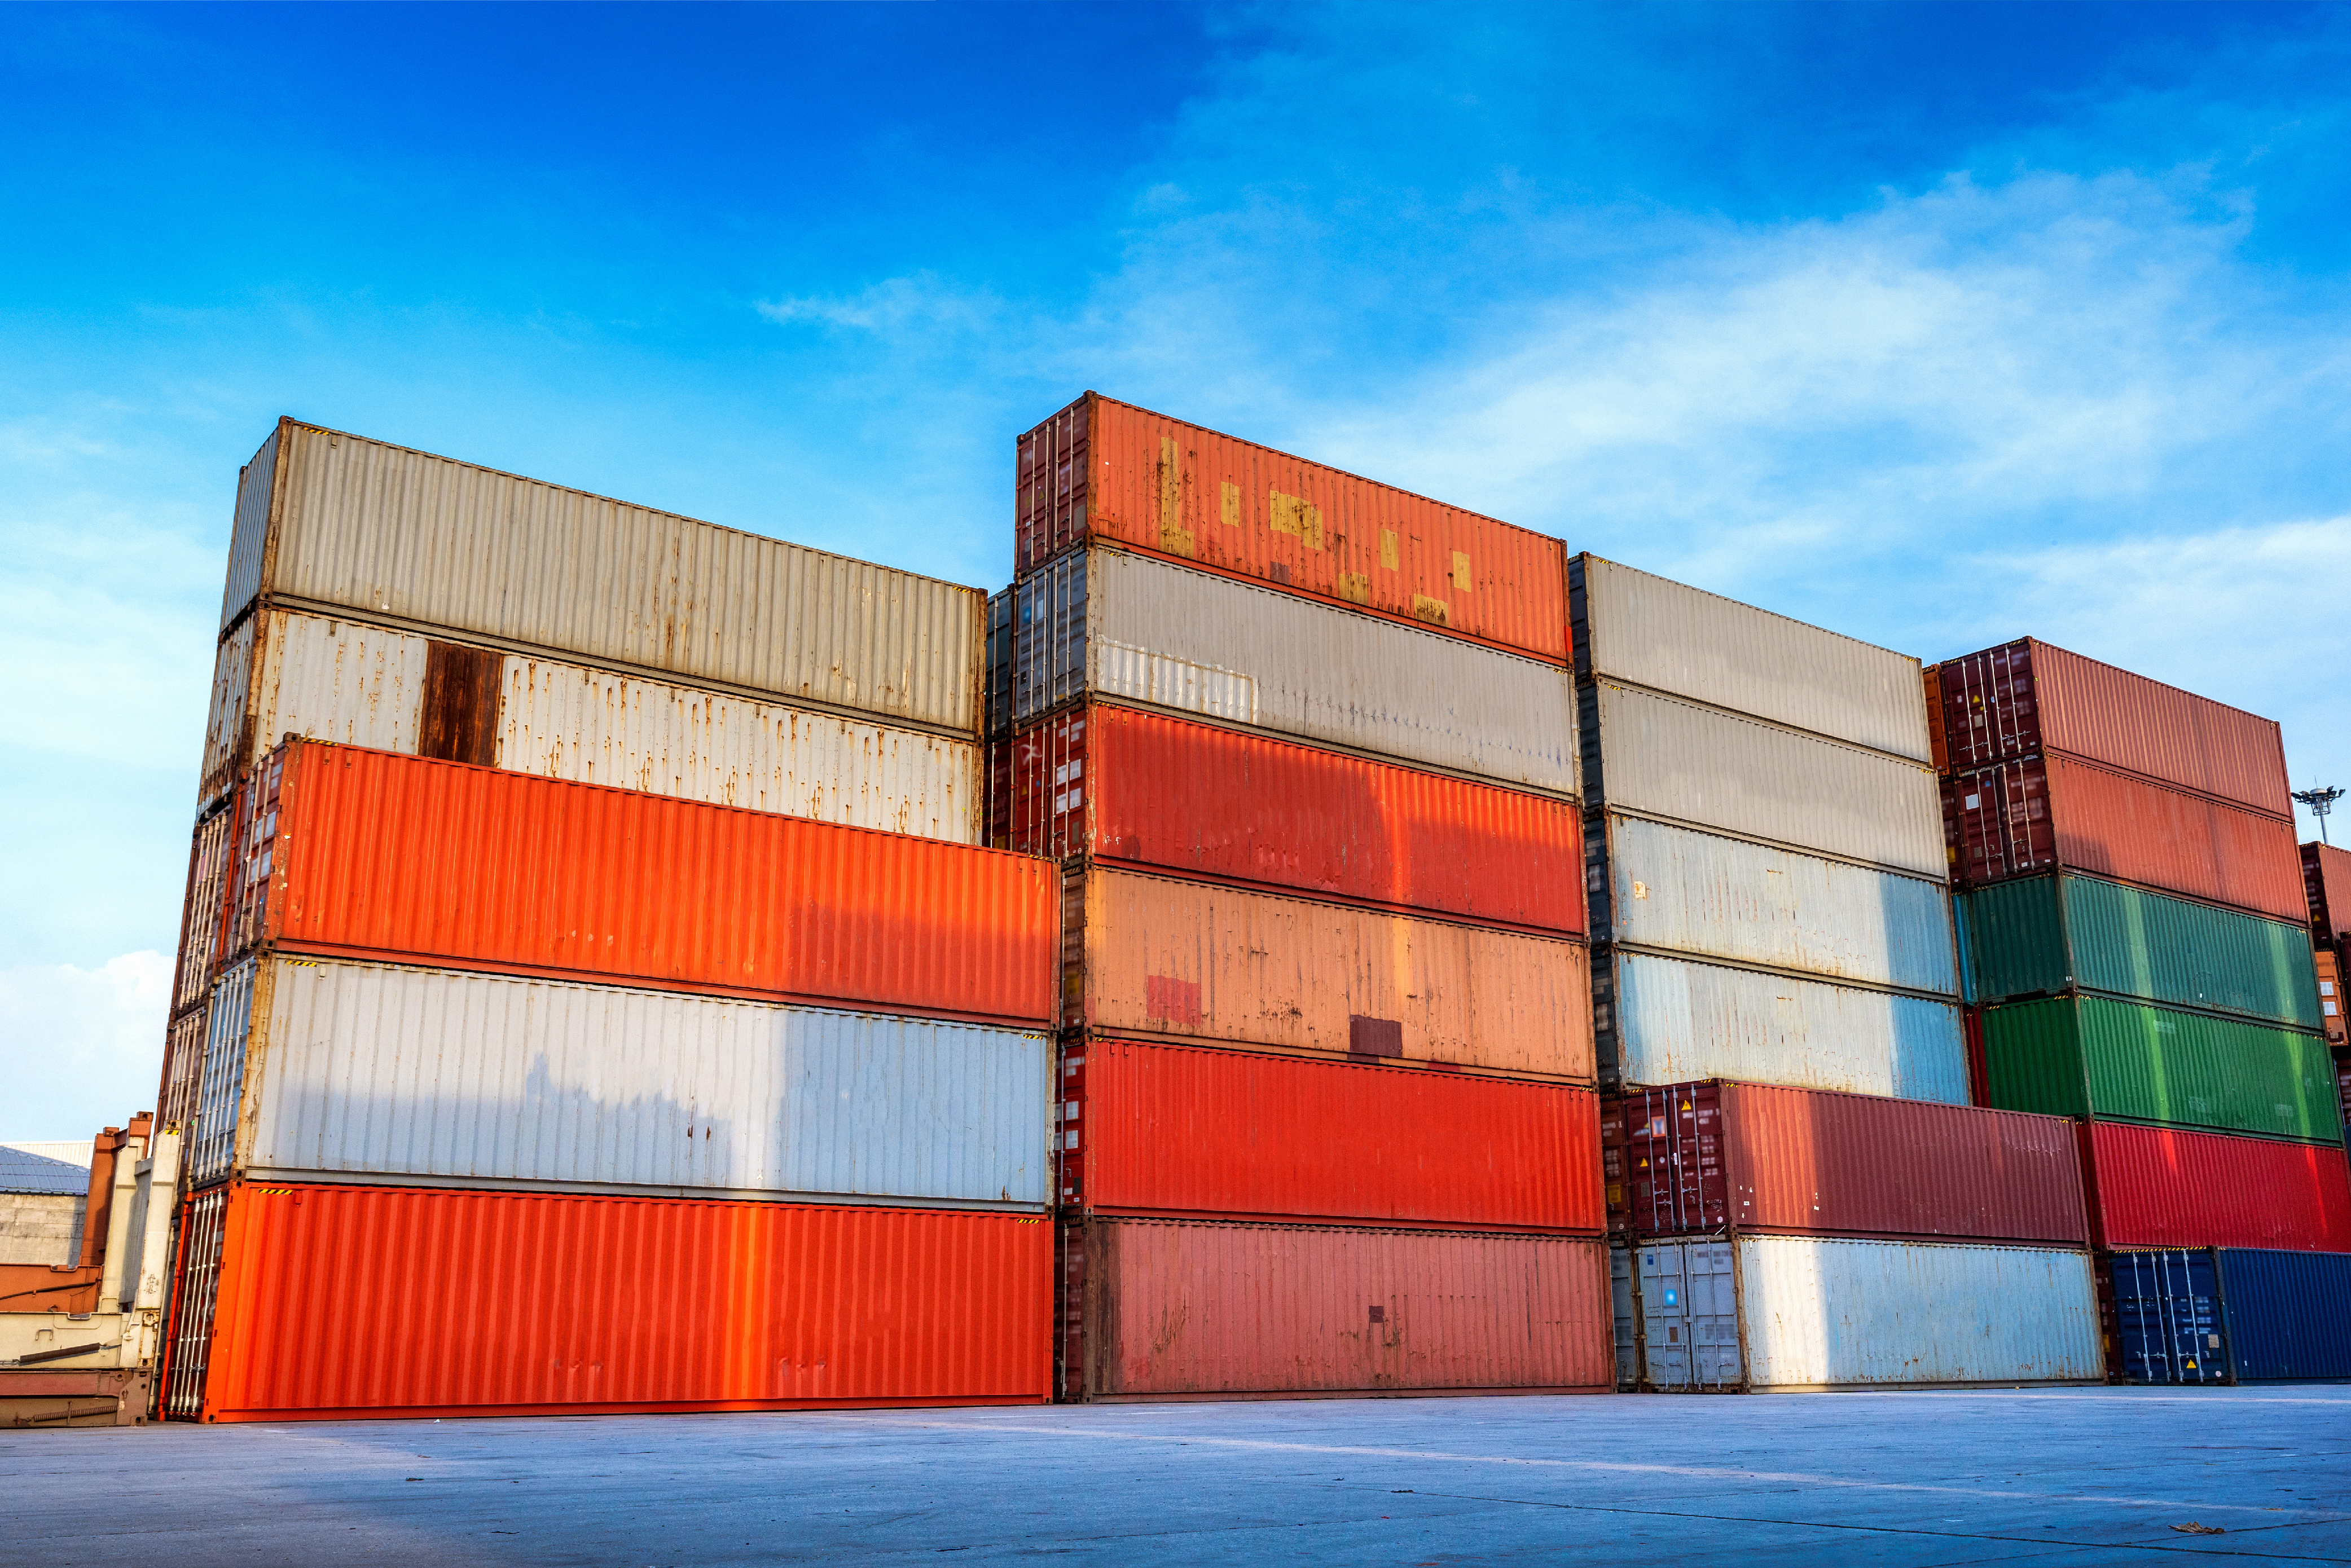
[(2047, 935), (2126, 1061)]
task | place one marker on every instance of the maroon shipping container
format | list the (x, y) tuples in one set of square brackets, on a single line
[(2326, 892), (2022, 817), (2163, 1187), (1215, 805), (2025, 698), (1184, 1309), (1706, 1158), (1153, 1129)]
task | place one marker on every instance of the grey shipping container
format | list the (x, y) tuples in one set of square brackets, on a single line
[(1644, 631), (1791, 1313), (339, 524), (1105, 623)]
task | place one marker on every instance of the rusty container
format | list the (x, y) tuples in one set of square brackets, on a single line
[(2025, 698), (2330, 997), (2039, 814), (1146, 790), (1206, 964), (2169, 1187), (327, 1302), (1186, 1308), (1105, 472), (1699, 1159), (2326, 892), (1149, 1128), (374, 854)]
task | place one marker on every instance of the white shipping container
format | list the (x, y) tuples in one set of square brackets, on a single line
[(330, 522), (1681, 763), (1804, 1311), (1698, 893), (381, 1072), (363, 685), (1644, 631), (1105, 623), (1673, 1021)]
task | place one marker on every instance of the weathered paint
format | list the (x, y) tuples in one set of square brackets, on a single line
[(241, 993), (1673, 1021), (1148, 633), (1646, 630), (2326, 892), (209, 858)]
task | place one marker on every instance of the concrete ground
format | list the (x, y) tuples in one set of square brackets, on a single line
[(2052, 1478)]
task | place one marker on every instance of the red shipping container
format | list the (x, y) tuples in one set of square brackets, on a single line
[(1182, 1309), (372, 854), (1152, 1128), (2330, 997), (337, 1302), (1108, 471), (1702, 1158), (1215, 805), (2035, 815), (2163, 1187), (2026, 697), (2327, 891)]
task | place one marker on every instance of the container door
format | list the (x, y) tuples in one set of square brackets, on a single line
[(1622, 1316), (1714, 1316), (204, 1225), (2168, 1317), (1689, 1316)]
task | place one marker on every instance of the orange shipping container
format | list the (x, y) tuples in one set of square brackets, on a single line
[(374, 854), (1108, 471), (1174, 1309), (1187, 960), (337, 1302)]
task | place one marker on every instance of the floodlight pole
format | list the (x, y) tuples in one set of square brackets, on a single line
[(2319, 802)]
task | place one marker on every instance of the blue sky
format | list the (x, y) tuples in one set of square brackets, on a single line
[(1935, 325)]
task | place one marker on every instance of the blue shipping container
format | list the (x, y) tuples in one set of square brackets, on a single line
[(2233, 1315), (2167, 1319)]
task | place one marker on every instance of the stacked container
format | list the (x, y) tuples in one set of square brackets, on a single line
[(2134, 914), (593, 995), (2326, 888), (1303, 747), (1772, 929)]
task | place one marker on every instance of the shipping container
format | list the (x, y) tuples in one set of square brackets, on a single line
[(340, 525), (1624, 1317), (199, 907), (2024, 698), (2330, 997), (1184, 1309), (1703, 1159), (1109, 472), (2043, 813), (1151, 1128), (211, 1144), (194, 1298), (1671, 1021), (1676, 890), (1639, 630), (1144, 632), (371, 854), (1123, 787), (2164, 1323), (337, 1302), (2326, 893), (2232, 1314), (999, 688), (2128, 1061), (183, 1066), (2170, 1187), (1789, 1313), (375, 1071), (1660, 757), (1197, 963), (362, 685), (2042, 936)]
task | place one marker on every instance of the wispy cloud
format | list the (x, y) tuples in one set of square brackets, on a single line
[(86, 1043)]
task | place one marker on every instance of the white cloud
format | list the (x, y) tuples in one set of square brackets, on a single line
[(83, 1046), (922, 304)]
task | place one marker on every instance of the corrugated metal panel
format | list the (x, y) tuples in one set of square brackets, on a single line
[(380, 854), (1148, 955), (1111, 472), (200, 911), (1689, 765), (2167, 1187), (2327, 891), (1178, 1129), (1649, 632), (337, 1302), (183, 1066), (1162, 1308), (373, 1070), (1702, 894), (2167, 1324), (2024, 698), (2046, 812), (195, 1290), (1675, 1022), (2092, 1055), (336, 681), (1115, 784), (2289, 1314), (248, 541), (410, 537), (2330, 996), (2041, 935), (220, 1090), (228, 739), (1143, 631), (1701, 1157), (1000, 665), (1840, 1313)]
